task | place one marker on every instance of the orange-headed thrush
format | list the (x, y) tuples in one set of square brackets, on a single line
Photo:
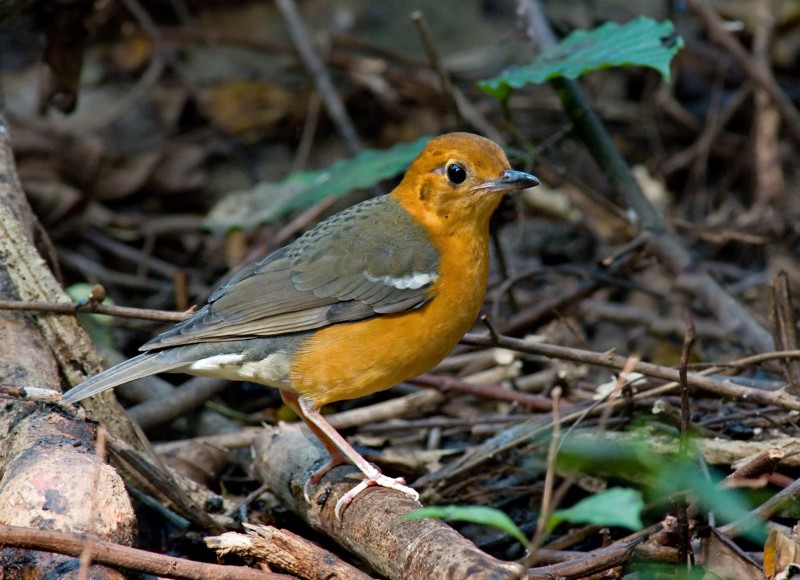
[(375, 294)]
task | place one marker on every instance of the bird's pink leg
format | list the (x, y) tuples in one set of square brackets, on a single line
[(336, 456), (340, 451)]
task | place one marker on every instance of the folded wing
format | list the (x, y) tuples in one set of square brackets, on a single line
[(369, 260)]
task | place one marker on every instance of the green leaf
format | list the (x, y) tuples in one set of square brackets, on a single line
[(728, 504), (652, 461), (97, 325), (475, 514), (617, 506), (640, 42), (269, 201)]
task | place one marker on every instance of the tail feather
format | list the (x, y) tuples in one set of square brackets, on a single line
[(138, 367)]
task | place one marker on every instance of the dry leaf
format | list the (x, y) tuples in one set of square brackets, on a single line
[(248, 109), (781, 556), (723, 559)]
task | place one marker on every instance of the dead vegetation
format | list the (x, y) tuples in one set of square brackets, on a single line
[(640, 328)]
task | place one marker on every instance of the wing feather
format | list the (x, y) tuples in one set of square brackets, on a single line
[(368, 260)]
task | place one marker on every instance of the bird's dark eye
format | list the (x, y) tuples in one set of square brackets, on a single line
[(456, 174)]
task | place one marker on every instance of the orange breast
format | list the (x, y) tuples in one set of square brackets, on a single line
[(355, 359)]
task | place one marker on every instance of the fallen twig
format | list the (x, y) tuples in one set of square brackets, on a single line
[(316, 68), (759, 73), (93, 307), (496, 392), (287, 551), (610, 360), (105, 552)]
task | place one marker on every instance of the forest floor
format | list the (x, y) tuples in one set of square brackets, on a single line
[(620, 350)]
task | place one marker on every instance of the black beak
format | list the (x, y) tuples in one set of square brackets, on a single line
[(519, 180), (512, 180)]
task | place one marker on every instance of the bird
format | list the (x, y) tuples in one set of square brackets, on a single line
[(373, 295)]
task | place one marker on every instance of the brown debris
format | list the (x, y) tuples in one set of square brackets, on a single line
[(683, 205)]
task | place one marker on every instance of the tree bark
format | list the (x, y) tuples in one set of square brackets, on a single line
[(50, 476), (370, 526)]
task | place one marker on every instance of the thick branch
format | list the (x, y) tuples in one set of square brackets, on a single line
[(370, 526), (50, 472)]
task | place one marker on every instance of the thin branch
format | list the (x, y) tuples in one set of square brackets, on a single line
[(92, 307), (495, 392), (322, 79), (765, 511), (547, 496), (104, 552), (49, 396), (683, 373), (785, 328), (191, 395), (610, 360), (418, 18), (685, 553), (760, 74)]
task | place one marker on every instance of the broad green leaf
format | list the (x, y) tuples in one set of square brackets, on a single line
[(269, 201), (628, 459), (474, 514), (640, 42), (618, 506), (648, 462)]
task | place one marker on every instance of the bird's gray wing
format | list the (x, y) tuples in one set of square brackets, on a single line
[(368, 260)]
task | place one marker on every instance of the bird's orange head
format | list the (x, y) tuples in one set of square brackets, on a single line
[(458, 180)]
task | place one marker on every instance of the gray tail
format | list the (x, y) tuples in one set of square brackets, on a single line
[(138, 367)]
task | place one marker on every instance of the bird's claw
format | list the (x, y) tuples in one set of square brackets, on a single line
[(378, 479), (317, 476), (372, 477), (307, 488)]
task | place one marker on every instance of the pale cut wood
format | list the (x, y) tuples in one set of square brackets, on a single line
[(286, 551)]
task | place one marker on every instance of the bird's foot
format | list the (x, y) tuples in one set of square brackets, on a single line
[(374, 477), (340, 452)]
